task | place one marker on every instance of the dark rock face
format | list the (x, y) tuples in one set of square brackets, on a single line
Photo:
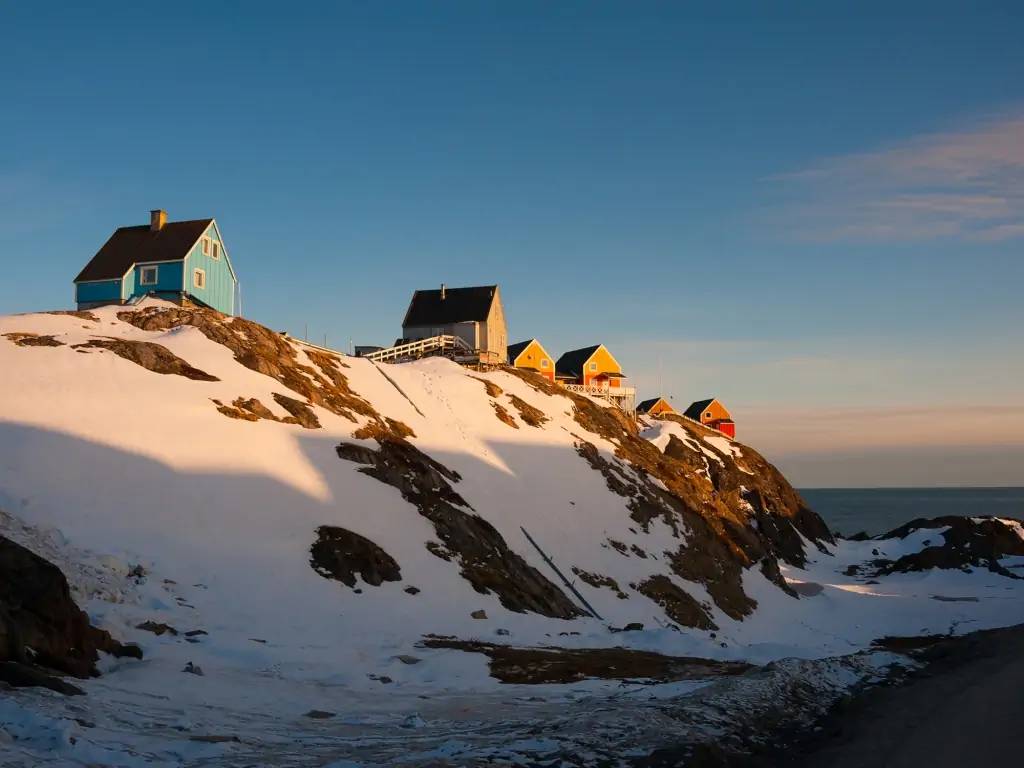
[(341, 554), (40, 625), (727, 518), (152, 357), (679, 605), (537, 666), (485, 559), (968, 543)]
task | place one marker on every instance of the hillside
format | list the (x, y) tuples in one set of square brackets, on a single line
[(324, 526)]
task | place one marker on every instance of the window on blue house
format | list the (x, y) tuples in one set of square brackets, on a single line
[(199, 278), (216, 251), (206, 246), (148, 275)]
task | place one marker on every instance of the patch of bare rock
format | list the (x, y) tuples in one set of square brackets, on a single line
[(26, 339), (153, 357), (42, 631), (544, 665), (343, 555), (260, 349), (958, 543), (484, 558)]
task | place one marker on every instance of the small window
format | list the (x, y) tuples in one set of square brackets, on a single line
[(707, 415), (199, 278), (216, 251), (544, 363), (148, 275), (206, 246), (593, 366)]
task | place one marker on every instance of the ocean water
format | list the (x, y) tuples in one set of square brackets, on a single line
[(877, 510)]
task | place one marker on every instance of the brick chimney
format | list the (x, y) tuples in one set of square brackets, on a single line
[(157, 219), (442, 291)]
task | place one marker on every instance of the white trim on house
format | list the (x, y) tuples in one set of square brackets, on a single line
[(198, 272), (142, 274), (227, 256)]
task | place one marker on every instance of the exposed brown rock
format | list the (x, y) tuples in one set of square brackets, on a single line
[(152, 357), (537, 666), (341, 554), (264, 351), (300, 412), (37, 613), (493, 390), (598, 581), (157, 628), (530, 415), (25, 339), (484, 558), (678, 604), (504, 416), (81, 314)]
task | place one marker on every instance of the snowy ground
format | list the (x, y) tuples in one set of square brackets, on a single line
[(105, 465)]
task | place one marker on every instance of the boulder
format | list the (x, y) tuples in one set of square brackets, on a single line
[(40, 625)]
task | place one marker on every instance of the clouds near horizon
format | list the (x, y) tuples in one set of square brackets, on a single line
[(966, 184)]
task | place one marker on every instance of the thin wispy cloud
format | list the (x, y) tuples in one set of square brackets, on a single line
[(966, 184)]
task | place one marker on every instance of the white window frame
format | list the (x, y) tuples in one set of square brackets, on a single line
[(142, 275), (201, 281), (215, 251), (206, 246)]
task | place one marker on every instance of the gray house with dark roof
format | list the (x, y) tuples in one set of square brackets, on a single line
[(182, 261), (473, 314)]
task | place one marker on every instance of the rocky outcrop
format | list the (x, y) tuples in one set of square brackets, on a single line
[(264, 351), (727, 517), (959, 542), (538, 666), (341, 554), (40, 625), (152, 357), (484, 557)]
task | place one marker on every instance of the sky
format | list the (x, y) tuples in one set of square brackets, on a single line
[(815, 214)]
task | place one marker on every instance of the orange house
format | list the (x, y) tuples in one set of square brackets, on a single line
[(712, 413), (531, 356), (590, 366), (656, 406)]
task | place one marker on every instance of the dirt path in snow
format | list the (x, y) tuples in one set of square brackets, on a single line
[(966, 708)]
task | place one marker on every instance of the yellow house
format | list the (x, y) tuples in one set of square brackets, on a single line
[(531, 356), (656, 406), (589, 366), (712, 413)]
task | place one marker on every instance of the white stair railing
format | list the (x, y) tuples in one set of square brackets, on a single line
[(418, 348)]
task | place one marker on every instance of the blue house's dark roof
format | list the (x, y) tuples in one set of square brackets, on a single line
[(459, 305), (134, 245)]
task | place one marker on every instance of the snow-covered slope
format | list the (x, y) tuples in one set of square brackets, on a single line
[(133, 438)]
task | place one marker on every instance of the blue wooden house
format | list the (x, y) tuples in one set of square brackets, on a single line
[(182, 261)]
